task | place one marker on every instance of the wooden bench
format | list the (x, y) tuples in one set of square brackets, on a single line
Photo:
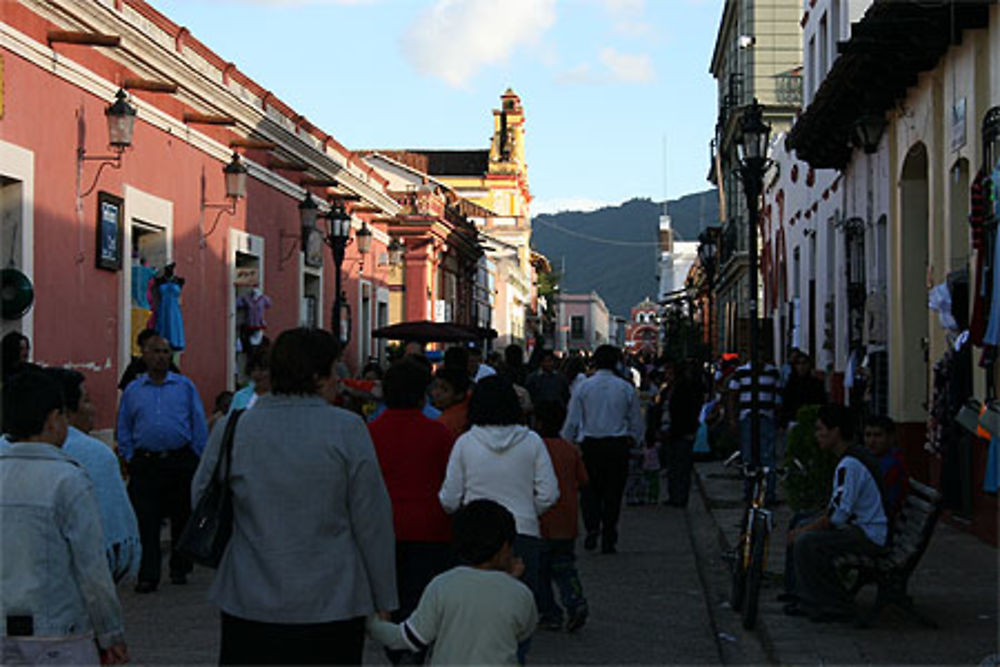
[(910, 534)]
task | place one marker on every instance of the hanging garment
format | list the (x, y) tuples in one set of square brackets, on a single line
[(169, 322), (992, 335), (981, 244), (140, 321), (991, 480), (256, 305), (141, 275)]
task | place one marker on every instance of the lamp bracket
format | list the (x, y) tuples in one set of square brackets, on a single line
[(282, 237), (113, 161)]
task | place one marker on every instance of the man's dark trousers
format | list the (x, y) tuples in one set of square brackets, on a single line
[(680, 461), (160, 487), (606, 460), (817, 584)]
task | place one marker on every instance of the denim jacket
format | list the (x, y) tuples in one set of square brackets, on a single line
[(52, 562)]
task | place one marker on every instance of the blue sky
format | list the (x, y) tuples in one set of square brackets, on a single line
[(603, 82)]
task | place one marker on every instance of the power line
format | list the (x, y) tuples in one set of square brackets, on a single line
[(597, 239)]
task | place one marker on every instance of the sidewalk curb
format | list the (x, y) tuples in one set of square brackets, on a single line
[(760, 632)]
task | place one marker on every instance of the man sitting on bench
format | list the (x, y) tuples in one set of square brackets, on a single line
[(855, 522)]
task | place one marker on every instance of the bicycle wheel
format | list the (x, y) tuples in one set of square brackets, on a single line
[(739, 575), (755, 573)]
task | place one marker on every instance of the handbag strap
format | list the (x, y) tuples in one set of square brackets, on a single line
[(227, 445)]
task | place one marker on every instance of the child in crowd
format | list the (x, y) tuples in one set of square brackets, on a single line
[(560, 525), (476, 613), (880, 440)]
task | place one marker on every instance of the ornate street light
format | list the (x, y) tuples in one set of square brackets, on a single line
[(121, 122), (707, 252), (236, 179), (120, 116), (868, 131), (396, 250), (338, 236), (753, 143), (308, 210)]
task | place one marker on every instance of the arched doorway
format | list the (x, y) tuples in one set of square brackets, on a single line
[(913, 246)]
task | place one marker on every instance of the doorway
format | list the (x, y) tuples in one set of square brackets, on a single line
[(912, 344)]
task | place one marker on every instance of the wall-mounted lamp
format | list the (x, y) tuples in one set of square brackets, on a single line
[(236, 188), (868, 129), (120, 116), (396, 251)]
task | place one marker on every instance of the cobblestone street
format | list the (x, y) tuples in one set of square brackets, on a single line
[(647, 607)]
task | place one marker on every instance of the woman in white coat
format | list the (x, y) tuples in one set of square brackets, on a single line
[(500, 459)]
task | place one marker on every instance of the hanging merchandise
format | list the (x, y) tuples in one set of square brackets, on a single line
[(254, 307), (991, 481), (169, 322), (141, 275)]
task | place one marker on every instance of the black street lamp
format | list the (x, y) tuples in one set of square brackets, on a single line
[(338, 236), (707, 250), (752, 147)]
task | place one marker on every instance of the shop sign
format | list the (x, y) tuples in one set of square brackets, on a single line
[(109, 231), (246, 276)]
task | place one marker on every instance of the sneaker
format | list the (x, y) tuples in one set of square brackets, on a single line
[(178, 578), (590, 542), (577, 618), (551, 624), (609, 549)]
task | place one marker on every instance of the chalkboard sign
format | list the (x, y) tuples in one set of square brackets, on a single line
[(109, 231)]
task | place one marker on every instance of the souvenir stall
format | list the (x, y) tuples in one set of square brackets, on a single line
[(969, 455)]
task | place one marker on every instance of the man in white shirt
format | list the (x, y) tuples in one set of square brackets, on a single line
[(855, 522), (604, 419)]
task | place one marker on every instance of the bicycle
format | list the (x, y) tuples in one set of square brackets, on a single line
[(749, 557)]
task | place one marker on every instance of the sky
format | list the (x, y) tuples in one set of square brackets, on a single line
[(617, 95)]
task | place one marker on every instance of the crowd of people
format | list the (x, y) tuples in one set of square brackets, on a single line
[(434, 508)]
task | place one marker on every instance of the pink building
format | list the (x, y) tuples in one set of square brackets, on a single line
[(165, 200)]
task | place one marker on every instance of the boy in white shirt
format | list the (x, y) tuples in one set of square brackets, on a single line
[(476, 613), (855, 522)]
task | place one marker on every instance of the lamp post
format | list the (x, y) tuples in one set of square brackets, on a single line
[(752, 146), (337, 238), (706, 256)]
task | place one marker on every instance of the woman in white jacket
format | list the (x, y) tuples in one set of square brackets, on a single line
[(504, 461)]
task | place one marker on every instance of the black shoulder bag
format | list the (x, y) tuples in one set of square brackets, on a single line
[(207, 532)]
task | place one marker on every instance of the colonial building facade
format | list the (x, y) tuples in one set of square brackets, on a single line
[(98, 229)]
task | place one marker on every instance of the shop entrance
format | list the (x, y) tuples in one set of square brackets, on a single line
[(150, 253)]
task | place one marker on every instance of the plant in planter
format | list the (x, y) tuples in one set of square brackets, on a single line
[(807, 489)]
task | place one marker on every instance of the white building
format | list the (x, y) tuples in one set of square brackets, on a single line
[(675, 259), (584, 322)]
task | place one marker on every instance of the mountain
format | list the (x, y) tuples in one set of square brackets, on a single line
[(613, 250)]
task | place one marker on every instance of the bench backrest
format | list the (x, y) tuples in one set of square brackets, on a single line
[(912, 528)]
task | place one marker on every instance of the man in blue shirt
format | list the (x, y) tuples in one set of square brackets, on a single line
[(161, 434), (604, 420)]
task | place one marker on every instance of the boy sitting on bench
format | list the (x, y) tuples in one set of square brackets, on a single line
[(855, 522)]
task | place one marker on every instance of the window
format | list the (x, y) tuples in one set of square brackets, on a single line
[(824, 49), (576, 326), (810, 70)]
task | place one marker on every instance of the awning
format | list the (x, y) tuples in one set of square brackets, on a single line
[(434, 332), (894, 42)]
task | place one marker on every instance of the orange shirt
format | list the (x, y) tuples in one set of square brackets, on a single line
[(456, 417), (561, 521)]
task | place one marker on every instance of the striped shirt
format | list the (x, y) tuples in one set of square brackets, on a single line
[(768, 389)]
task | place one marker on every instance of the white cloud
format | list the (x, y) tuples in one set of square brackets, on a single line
[(559, 204), (628, 68), (454, 38)]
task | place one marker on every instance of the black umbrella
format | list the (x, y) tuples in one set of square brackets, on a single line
[(428, 332)]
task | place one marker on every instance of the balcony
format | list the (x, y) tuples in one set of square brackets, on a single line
[(788, 88)]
